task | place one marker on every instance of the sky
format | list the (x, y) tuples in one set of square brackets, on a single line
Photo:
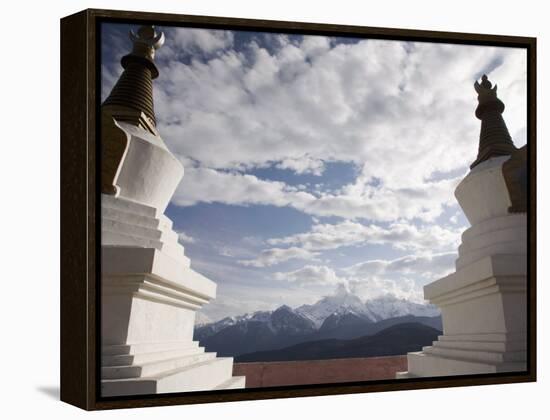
[(319, 165)]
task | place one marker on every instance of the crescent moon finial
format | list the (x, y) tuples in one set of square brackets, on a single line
[(159, 41), (146, 41)]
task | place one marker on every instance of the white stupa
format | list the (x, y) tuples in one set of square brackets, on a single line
[(483, 303), (149, 293)]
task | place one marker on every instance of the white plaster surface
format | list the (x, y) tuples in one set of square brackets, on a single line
[(149, 173), (482, 194), (131, 315)]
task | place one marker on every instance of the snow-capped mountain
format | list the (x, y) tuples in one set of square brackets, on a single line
[(342, 315), (343, 321), (334, 306), (388, 306), (339, 303), (283, 320), (377, 309), (258, 331), (228, 321)]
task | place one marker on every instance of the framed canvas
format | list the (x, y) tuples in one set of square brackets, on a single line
[(260, 209)]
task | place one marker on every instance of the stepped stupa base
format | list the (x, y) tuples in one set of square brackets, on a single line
[(484, 302), (484, 318), (149, 298), (467, 355), (164, 368)]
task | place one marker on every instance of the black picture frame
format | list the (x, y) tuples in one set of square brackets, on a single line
[(80, 207)]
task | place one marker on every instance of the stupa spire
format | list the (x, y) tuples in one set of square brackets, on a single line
[(130, 101), (494, 138), (134, 89)]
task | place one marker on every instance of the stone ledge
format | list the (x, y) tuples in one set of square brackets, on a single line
[(497, 266), (476, 355), (155, 367), (139, 348), (124, 261), (141, 358), (421, 364), (491, 286), (118, 239), (129, 211), (151, 288), (128, 206), (498, 223), (131, 229), (484, 337), (518, 345)]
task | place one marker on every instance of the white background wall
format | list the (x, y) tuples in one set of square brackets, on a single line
[(29, 172)]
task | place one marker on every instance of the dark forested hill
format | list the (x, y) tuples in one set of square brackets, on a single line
[(396, 340)]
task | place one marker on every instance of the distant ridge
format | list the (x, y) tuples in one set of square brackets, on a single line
[(395, 340)]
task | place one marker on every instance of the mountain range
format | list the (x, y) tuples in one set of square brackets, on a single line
[(342, 316)]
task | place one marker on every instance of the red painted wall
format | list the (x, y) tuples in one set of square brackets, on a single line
[(262, 374)]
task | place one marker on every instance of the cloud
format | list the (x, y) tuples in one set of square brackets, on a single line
[(401, 111), (186, 41), (374, 287), (429, 266), (424, 202), (374, 278), (402, 236), (303, 165), (235, 188), (363, 199), (185, 238), (273, 256), (370, 102), (310, 275)]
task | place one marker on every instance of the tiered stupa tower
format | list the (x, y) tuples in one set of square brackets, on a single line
[(149, 293), (483, 303)]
